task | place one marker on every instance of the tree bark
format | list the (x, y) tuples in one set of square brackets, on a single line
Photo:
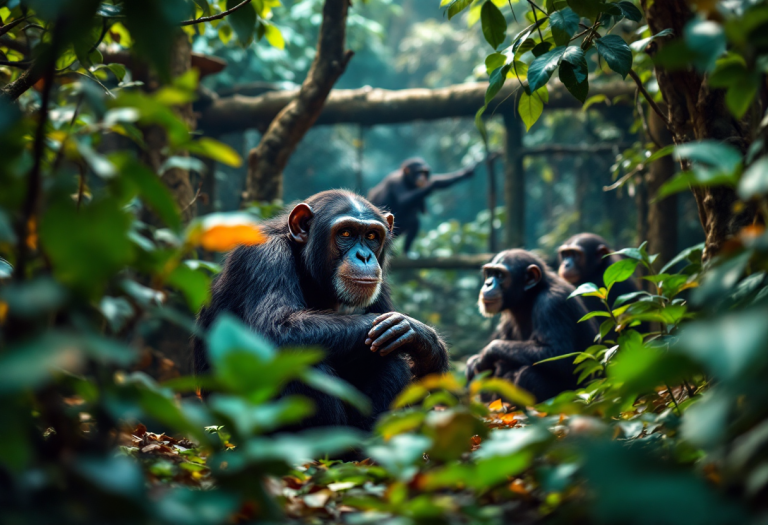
[(156, 138), (514, 184), (662, 213), (267, 161), (696, 112), (368, 106)]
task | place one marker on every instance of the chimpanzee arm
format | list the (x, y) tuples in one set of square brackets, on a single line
[(394, 331), (438, 182)]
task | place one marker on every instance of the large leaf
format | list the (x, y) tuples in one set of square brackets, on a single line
[(456, 7), (494, 24), (496, 82), (630, 11), (754, 182), (719, 155), (574, 73), (564, 24), (706, 39), (586, 8), (616, 53), (542, 68), (619, 271), (243, 21), (530, 108), (641, 45)]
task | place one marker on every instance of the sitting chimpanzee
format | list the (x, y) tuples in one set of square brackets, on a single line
[(319, 281), (404, 192), (583, 260), (538, 321)]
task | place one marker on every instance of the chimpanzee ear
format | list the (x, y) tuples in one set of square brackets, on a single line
[(602, 251), (532, 276), (390, 220), (298, 222)]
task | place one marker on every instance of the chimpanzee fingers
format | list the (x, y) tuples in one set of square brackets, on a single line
[(383, 317), (400, 341), (384, 325), (393, 333)]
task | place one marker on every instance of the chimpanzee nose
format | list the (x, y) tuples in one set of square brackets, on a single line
[(364, 256)]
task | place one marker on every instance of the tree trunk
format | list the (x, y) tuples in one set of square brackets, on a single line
[(662, 214), (267, 161), (696, 112), (156, 139), (514, 184)]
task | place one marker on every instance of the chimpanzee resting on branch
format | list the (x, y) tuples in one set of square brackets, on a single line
[(538, 321), (583, 260), (404, 192), (319, 281)]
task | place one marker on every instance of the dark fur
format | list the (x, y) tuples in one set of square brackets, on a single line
[(594, 267), (399, 194), (535, 324), (283, 290)]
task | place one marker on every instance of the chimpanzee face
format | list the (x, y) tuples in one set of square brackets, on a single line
[(417, 174), (571, 263), (507, 281), (345, 240), (358, 244)]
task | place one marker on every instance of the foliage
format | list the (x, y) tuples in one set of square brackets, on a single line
[(668, 427)]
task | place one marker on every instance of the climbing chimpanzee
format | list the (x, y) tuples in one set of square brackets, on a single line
[(319, 281), (538, 321), (404, 192), (583, 260)]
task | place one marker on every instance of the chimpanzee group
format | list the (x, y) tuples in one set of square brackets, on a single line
[(319, 280)]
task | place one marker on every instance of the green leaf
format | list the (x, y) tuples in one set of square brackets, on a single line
[(243, 21), (706, 39), (574, 72), (586, 8), (494, 61), (616, 53), (558, 358), (754, 182), (456, 7), (713, 153), (213, 149), (496, 82), (619, 271), (661, 153), (228, 334), (564, 25), (150, 187), (195, 285), (584, 289), (274, 36), (530, 108), (591, 315), (494, 24), (542, 68), (337, 387), (606, 327), (507, 390), (640, 45), (629, 11)]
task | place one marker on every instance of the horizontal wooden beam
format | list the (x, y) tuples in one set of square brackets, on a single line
[(371, 106), (456, 262)]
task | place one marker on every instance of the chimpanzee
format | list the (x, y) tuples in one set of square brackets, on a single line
[(404, 192), (583, 260), (319, 281), (538, 321)]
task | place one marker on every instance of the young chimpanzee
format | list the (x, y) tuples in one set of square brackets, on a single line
[(538, 321), (319, 281), (583, 260), (404, 192)]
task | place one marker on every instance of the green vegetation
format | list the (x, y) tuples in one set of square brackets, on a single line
[(102, 254)]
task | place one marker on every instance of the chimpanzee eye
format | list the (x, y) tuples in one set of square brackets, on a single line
[(372, 236), (345, 233)]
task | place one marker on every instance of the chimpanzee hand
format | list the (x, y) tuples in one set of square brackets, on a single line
[(391, 331), (497, 356)]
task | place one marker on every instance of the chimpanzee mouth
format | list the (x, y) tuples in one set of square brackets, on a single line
[(357, 291), (489, 307)]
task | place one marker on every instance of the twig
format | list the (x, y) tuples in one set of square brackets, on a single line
[(4, 30), (21, 64), (104, 29), (34, 183), (674, 401), (536, 20), (25, 81), (647, 96), (512, 9), (644, 120), (215, 17)]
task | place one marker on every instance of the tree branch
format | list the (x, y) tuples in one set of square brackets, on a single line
[(4, 30), (219, 16), (267, 161), (647, 95), (26, 80)]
